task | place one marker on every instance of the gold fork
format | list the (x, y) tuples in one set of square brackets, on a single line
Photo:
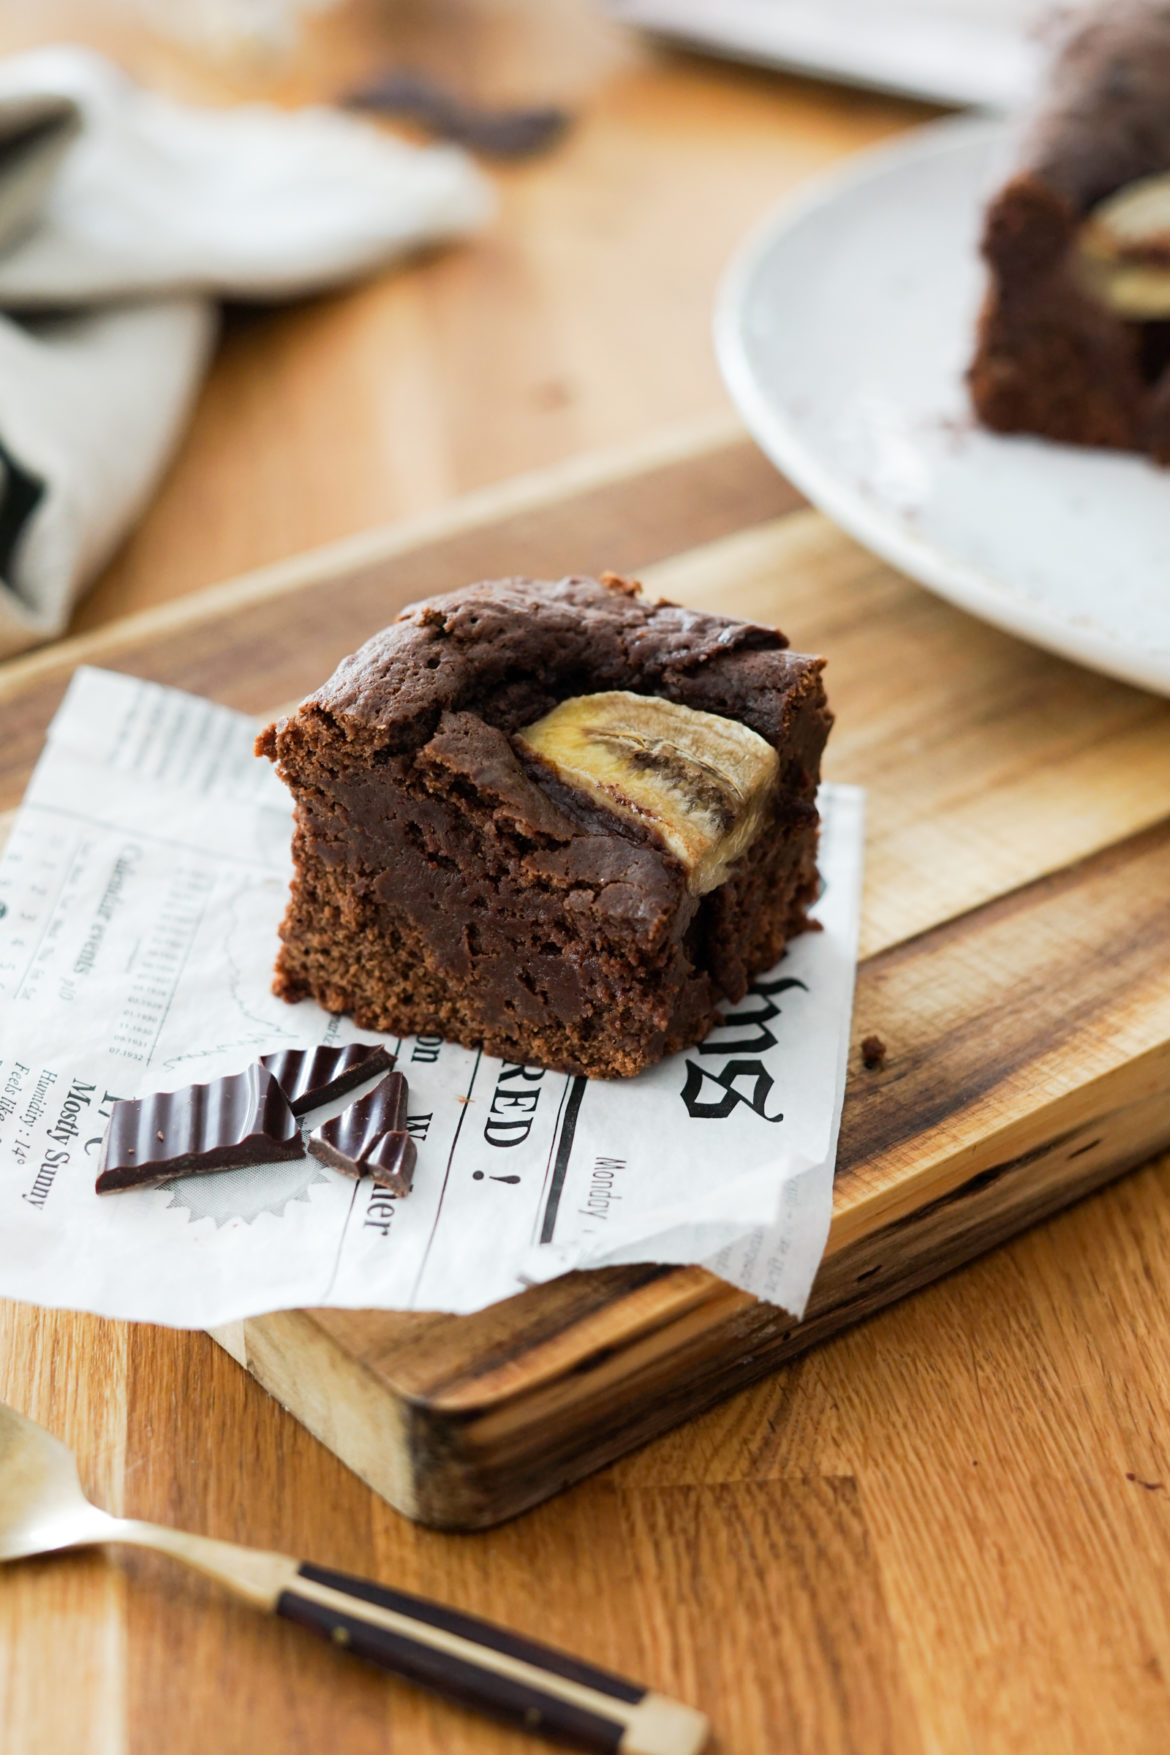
[(43, 1510)]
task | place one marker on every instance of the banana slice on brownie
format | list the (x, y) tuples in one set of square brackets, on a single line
[(699, 781)]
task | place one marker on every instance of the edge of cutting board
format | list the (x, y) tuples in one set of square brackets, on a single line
[(1029, 1062), (492, 1413)]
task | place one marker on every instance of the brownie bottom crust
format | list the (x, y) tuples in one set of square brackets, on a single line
[(571, 1003)]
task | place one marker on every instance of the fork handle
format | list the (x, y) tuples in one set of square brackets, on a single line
[(484, 1666)]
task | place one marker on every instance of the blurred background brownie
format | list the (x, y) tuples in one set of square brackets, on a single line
[(1074, 337), (553, 820)]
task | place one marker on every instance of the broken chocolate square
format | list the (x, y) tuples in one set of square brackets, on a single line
[(370, 1138), (225, 1125), (312, 1077)]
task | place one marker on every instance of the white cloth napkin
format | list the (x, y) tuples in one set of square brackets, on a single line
[(123, 216)]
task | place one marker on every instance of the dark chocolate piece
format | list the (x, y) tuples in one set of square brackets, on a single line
[(511, 133), (370, 1138), (225, 1125), (445, 887), (312, 1077), (390, 1162)]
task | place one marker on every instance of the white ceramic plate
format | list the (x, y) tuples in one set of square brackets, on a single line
[(844, 327), (985, 52)]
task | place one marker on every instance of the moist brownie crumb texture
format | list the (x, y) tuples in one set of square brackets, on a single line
[(1051, 357), (446, 883)]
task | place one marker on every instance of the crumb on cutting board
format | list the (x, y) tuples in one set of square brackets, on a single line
[(873, 1053)]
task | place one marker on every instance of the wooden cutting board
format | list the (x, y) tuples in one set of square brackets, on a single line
[(1015, 953)]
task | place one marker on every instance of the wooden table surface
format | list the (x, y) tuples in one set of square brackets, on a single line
[(947, 1530)]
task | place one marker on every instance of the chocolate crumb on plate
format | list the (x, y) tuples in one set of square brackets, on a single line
[(370, 1138), (312, 1077), (225, 1125)]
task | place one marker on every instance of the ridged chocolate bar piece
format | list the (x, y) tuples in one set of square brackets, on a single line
[(312, 1077), (230, 1123), (370, 1138), (390, 1162)]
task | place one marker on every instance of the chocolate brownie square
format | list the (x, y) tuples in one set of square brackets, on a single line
[(552, 820), (1074, 342)]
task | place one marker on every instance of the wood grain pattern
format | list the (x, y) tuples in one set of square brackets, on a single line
[(82, 1374)]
